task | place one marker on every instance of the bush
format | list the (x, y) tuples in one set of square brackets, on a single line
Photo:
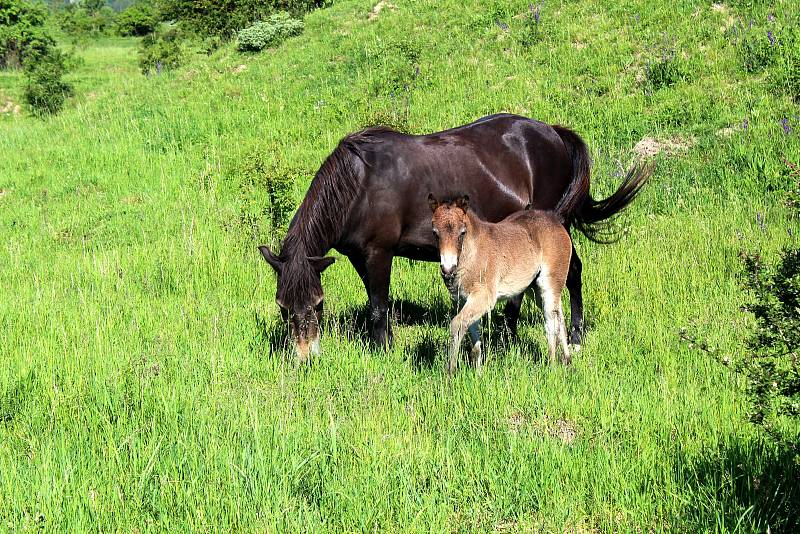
[(271, 32), (22, 32), (226, 17), (161, 51), (45, 89), (138, 20), (84, 19), (665, 67), (771, 365)]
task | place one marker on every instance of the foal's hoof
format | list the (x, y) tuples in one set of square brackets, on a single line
[(451, 367), (476, 355)]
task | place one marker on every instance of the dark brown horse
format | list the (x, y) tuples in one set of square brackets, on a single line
[(368, 200)]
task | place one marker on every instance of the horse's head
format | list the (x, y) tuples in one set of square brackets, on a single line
[(299, 296), (449, 226)]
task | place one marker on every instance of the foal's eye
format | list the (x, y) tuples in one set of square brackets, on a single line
[(463, 231), (435, 231)]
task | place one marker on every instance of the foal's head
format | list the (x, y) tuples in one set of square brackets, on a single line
[(449, 227), (299, 296)]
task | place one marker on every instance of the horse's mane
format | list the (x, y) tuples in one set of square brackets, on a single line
[(326, 206)]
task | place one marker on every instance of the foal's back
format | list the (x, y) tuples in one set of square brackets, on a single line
[(526, 245)]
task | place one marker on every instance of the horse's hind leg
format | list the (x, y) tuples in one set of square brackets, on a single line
[(476, 354), (575, 288), (511, 313)]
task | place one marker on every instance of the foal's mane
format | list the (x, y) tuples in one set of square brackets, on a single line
[(324, 210)]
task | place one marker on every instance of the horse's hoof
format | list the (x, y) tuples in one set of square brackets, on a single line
[(574, 347), (477, 355)]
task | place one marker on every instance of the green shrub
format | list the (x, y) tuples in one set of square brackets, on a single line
[(22, 32), (264, 188), (226, 17), (397, 68), (664, 67), (45, 89), (785, 76), (161, 51), (85, 19), (270, 32), (771, 364), (138, 20)]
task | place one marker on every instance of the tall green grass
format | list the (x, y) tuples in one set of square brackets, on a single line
[(141, 387)]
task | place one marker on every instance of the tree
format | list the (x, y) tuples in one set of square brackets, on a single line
[(22, 32)]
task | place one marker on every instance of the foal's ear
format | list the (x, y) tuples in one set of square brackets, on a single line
[(463, 202), (320, 264), (432, 202), (271, 258)]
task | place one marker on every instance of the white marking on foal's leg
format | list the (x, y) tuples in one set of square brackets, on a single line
[(550, 311)]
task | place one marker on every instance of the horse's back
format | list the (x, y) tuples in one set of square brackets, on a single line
[(500, 161)]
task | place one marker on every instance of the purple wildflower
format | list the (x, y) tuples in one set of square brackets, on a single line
[(745, 124), (786, 128), (536, 11), (771, 38), (502, 25), (760, 221), (771, 17)]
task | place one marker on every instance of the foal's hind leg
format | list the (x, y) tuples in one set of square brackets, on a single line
[(550, 291)]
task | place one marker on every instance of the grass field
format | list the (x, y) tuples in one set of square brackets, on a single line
[(140, 389)]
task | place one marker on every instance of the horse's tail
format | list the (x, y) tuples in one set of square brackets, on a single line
[(578, 208)]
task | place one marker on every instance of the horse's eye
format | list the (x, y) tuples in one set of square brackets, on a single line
[(435, 231), (463, 230)]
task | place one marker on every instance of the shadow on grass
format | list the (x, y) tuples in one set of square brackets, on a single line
[(751, 485), (271, 336)]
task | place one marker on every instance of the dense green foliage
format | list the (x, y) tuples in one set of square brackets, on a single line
[(270, 32), (771, 365), (22, 32), (45, 87), (144, 386), (137, 20), (89, 18), (161, 51), (225, 17)]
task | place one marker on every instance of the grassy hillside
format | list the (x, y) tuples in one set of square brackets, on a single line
[(141, 390)]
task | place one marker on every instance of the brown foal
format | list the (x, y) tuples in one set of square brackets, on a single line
[(484, 262)]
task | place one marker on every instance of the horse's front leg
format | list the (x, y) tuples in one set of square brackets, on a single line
[(379, 271)]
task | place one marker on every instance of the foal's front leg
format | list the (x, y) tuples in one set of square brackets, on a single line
[(476, 354), (475, 308)]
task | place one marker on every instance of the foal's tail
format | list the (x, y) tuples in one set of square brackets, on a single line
[(577, 207)]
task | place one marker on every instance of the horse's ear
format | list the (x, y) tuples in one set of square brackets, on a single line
[(320, 264), (271, 258), (463, 202), (432, 202)]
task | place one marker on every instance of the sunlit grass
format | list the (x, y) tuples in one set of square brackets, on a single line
[(141, 388)]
